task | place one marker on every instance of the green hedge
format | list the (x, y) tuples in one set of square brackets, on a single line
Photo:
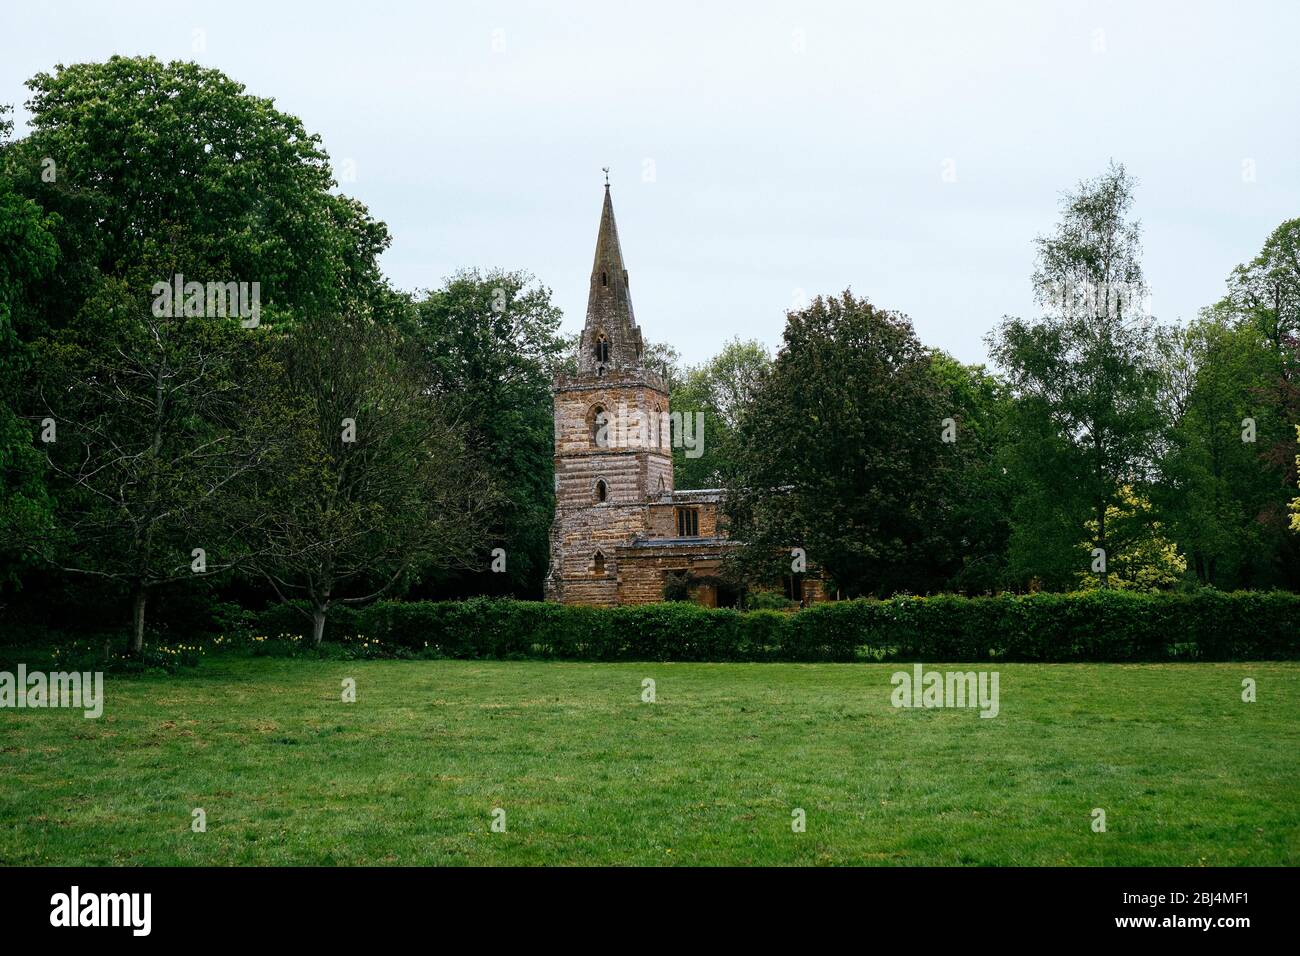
[(1093, 626)]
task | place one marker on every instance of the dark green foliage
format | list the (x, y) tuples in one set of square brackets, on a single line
[(489, 345), (1263, 301), (1222, 498), (28, 254), (840, 453), (364, 479), (150, 412), (145, 150), (136, 171), (1094, 626), (973, 502)]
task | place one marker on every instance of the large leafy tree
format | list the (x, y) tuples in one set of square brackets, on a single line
[(149, 411), (716, 395), (841, 451), (489, 344), (1214, 485), (28, 254), (150, 170), (129, 151), (1086, 380), (1245, 362), (1267, 288), (1265, 292), (365, 480)]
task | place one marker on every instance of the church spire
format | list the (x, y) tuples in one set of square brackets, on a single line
[(611, 338)]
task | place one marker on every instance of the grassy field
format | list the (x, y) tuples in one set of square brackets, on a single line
[(587, 773)]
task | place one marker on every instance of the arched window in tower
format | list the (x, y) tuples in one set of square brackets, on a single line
[(602, 347), (602, 492), (604, 279), (599, 427), (598, 563)]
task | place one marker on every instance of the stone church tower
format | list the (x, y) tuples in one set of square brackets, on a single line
[(619, 525)]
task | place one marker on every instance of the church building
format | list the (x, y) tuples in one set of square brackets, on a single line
[(622, 532)]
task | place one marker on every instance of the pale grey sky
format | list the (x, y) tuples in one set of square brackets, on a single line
[(795, 147)]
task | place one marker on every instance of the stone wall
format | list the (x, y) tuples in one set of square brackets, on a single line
[(631, 465), (642, 569)]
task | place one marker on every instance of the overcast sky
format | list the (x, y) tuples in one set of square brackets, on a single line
[(759, 152)]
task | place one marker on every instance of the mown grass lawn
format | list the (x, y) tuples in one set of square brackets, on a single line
[(587, 773)]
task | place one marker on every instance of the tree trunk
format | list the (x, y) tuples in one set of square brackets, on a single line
[(317, 624), (139, 598), (1101, 543), (1101, 501)]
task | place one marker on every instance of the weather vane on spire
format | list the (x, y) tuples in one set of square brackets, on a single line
[(606, 171)]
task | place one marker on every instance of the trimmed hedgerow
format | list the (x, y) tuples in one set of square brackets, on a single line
[(1092, 626)]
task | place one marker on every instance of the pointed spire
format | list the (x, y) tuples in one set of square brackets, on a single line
[(610, 318), (608, 264)]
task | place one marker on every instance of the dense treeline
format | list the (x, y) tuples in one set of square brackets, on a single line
[(210, 397), (1110, 450), (209, 390)]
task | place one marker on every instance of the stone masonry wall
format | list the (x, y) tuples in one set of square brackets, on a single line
[(584, 525)]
